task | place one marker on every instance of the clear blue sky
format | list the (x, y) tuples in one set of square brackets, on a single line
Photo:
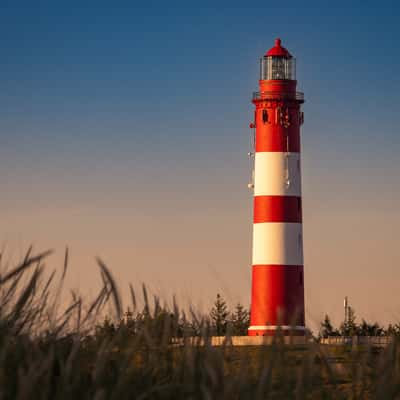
[(142, 109), (170, 61)]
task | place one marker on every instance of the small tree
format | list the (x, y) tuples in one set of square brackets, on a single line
[(106, 330), (349, 327), (218, 315), (367, 329), (327, 329), (240, 320), (393, 330)]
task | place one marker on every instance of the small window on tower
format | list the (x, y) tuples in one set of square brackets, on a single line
[(265, 116)]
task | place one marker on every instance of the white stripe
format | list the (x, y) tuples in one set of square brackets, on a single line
[(277, 174), (274, 327), (278, 243)]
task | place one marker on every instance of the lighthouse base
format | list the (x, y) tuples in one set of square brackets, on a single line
[(284, 330), (277, 305)]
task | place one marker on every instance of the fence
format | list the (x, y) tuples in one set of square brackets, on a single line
[(380, 341)]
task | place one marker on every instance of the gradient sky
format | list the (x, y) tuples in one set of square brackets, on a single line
[(124, 134)]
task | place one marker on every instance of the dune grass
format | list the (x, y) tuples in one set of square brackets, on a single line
[(47, 352)]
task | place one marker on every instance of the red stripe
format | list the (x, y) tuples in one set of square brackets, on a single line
[(274, 137), (277, 209), (278, 86), (277, 295)]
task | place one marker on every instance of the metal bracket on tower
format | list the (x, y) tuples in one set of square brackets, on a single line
[(301, 117), (286, 118), (251, 154), (282, 117), (287, 178), (250, 185)]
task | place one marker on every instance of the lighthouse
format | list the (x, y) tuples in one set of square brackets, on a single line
[(277, 297)]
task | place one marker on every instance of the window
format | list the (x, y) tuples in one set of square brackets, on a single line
[(265, 116)]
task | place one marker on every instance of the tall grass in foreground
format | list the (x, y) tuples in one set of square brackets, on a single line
[(49, 353)]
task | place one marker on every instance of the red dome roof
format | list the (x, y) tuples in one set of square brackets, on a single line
[(278, 50)]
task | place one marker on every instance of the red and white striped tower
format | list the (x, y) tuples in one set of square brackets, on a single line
[(277, 298)]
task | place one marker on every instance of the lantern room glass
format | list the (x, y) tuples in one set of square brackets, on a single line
[(277, 67)]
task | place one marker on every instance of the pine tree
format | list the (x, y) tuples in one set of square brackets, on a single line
[(218, 315), (240, 320), (367, 329), (349, 327), (106, 330), (327, 328), (393, 330)]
